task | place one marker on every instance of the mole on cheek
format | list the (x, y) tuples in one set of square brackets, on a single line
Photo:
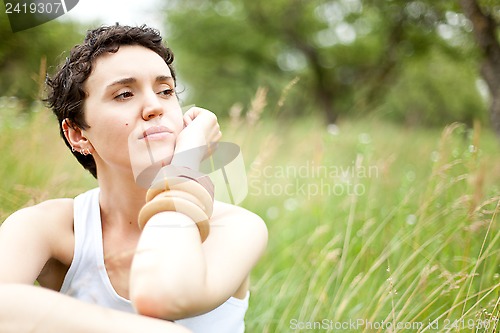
[(126, 124)]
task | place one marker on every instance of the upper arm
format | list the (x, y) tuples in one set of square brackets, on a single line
[(237, 240), (27, 241)]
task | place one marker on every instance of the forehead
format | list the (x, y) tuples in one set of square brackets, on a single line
[(129, 61)]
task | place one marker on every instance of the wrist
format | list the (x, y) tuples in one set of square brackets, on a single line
[(190, 158), (173, 204), (169, 219), (180, 190)]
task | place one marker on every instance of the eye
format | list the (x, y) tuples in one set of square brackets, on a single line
[(167, 92), (123, 96)]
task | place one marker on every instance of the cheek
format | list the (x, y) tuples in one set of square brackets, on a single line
[(177, 122), (109, 134), (179, 126)]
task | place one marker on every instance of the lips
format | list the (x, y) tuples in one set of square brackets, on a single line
[(155, 132)]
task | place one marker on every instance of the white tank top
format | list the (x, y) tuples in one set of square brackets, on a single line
[(87, 279)]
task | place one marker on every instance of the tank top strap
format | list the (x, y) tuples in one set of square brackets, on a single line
[(87, 278)]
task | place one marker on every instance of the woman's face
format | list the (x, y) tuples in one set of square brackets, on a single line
[(132, 110)]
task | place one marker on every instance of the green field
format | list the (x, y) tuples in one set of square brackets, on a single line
[(376, 228)]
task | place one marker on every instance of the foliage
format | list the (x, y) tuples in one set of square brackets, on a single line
[(421, 95), (26, 55), (347, 54), (345, 57)]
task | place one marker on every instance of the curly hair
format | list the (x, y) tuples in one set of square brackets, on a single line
[(66, 95)]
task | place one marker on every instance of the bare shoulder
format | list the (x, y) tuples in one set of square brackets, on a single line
[(53, 212), (238, 220), (34, 236), (51, 220)]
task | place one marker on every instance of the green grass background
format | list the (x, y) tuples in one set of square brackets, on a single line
[(390, 228)]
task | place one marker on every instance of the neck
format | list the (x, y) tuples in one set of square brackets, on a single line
[(120, 200)]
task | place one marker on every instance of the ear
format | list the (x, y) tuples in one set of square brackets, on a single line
[(76, 138)]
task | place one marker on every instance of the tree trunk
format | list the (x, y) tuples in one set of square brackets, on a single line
[(326, 88), (485, 27), (326, 103), (495, 113)]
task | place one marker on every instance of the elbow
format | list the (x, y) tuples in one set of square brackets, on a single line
[(5, 295), (166, 300), (156, 306)]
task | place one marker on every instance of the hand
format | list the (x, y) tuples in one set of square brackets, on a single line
[(201, 130)]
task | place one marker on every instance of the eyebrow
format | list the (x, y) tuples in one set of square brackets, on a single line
[(121, 82), (164, 78), (130, 80)]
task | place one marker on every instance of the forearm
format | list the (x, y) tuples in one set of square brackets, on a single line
[(26, 308), (168, 274)]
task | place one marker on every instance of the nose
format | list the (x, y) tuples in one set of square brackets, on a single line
[(152, 107)]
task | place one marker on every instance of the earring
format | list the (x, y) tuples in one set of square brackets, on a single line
[(73, 149), (85, 151)]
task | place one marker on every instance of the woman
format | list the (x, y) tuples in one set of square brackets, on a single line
[(120, 257)]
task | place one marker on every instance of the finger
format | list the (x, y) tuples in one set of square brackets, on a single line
[(187, 120), (194, 112)]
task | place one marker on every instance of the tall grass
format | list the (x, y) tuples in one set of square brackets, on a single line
[(393, 229), (375, 228), (35, 163)]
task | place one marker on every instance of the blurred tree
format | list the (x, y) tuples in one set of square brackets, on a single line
[(485, 18), (349, 54), (25, 56)]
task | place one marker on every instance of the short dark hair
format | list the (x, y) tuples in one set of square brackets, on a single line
[(66, 95)]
